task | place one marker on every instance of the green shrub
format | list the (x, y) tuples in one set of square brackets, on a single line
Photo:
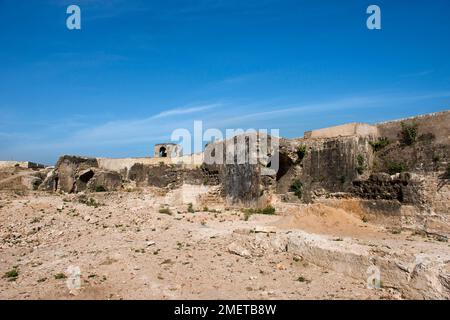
[(190, 208), (12, 274), (268, 210), (360, 167), (380, 144), (297, 188), (396, 167), (100, 189), (301, 152), (60, 276), (409, 132), (360, 159)]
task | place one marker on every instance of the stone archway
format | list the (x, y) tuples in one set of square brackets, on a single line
[(163, 152)]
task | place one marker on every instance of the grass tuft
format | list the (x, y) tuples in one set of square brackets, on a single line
[(297, 188), (60, 276), (12, 274)]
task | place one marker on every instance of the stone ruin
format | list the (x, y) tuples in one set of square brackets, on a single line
[(372, 163), (167, 150)]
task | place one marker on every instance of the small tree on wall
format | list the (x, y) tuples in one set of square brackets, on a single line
[(301, 152), (409, 132), (361, 164), (380, 144)]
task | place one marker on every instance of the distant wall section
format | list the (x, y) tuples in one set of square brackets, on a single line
[(21, 164), (437, 124), (349, 129)]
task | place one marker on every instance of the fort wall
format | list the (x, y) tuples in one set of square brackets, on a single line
[(120, 164), (21, 164), (349, 129), (437, 124)]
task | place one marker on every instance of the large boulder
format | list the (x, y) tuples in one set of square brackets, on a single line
[(50, 182), (103, 180), (73, 173), (20, 179)]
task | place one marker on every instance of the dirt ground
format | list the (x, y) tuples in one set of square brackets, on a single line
[(129, 245)]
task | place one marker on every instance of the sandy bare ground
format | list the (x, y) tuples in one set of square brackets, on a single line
[(127, 249)]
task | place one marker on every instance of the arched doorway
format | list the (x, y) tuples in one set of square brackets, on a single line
[(162, 152)]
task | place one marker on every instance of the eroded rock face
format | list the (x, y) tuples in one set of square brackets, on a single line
[(173, 175), (24, 180), (404, 187), (105, 181), (333, 163), (242, 183), (73, 174), (31, 181), (323, 166), (50, 182), (69, 169)]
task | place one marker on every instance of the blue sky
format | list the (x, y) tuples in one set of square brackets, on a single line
[(137, 70)]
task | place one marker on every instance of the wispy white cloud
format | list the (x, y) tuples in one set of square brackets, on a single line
[(183, 111), (122, 130), (112, 135), (121, 134)]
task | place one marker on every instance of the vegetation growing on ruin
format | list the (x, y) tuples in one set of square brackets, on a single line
[(361, 164), (297, 188), (409, 132), (190, 208), (396, 167), (269, 210), (301, 152), (380, 144)]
